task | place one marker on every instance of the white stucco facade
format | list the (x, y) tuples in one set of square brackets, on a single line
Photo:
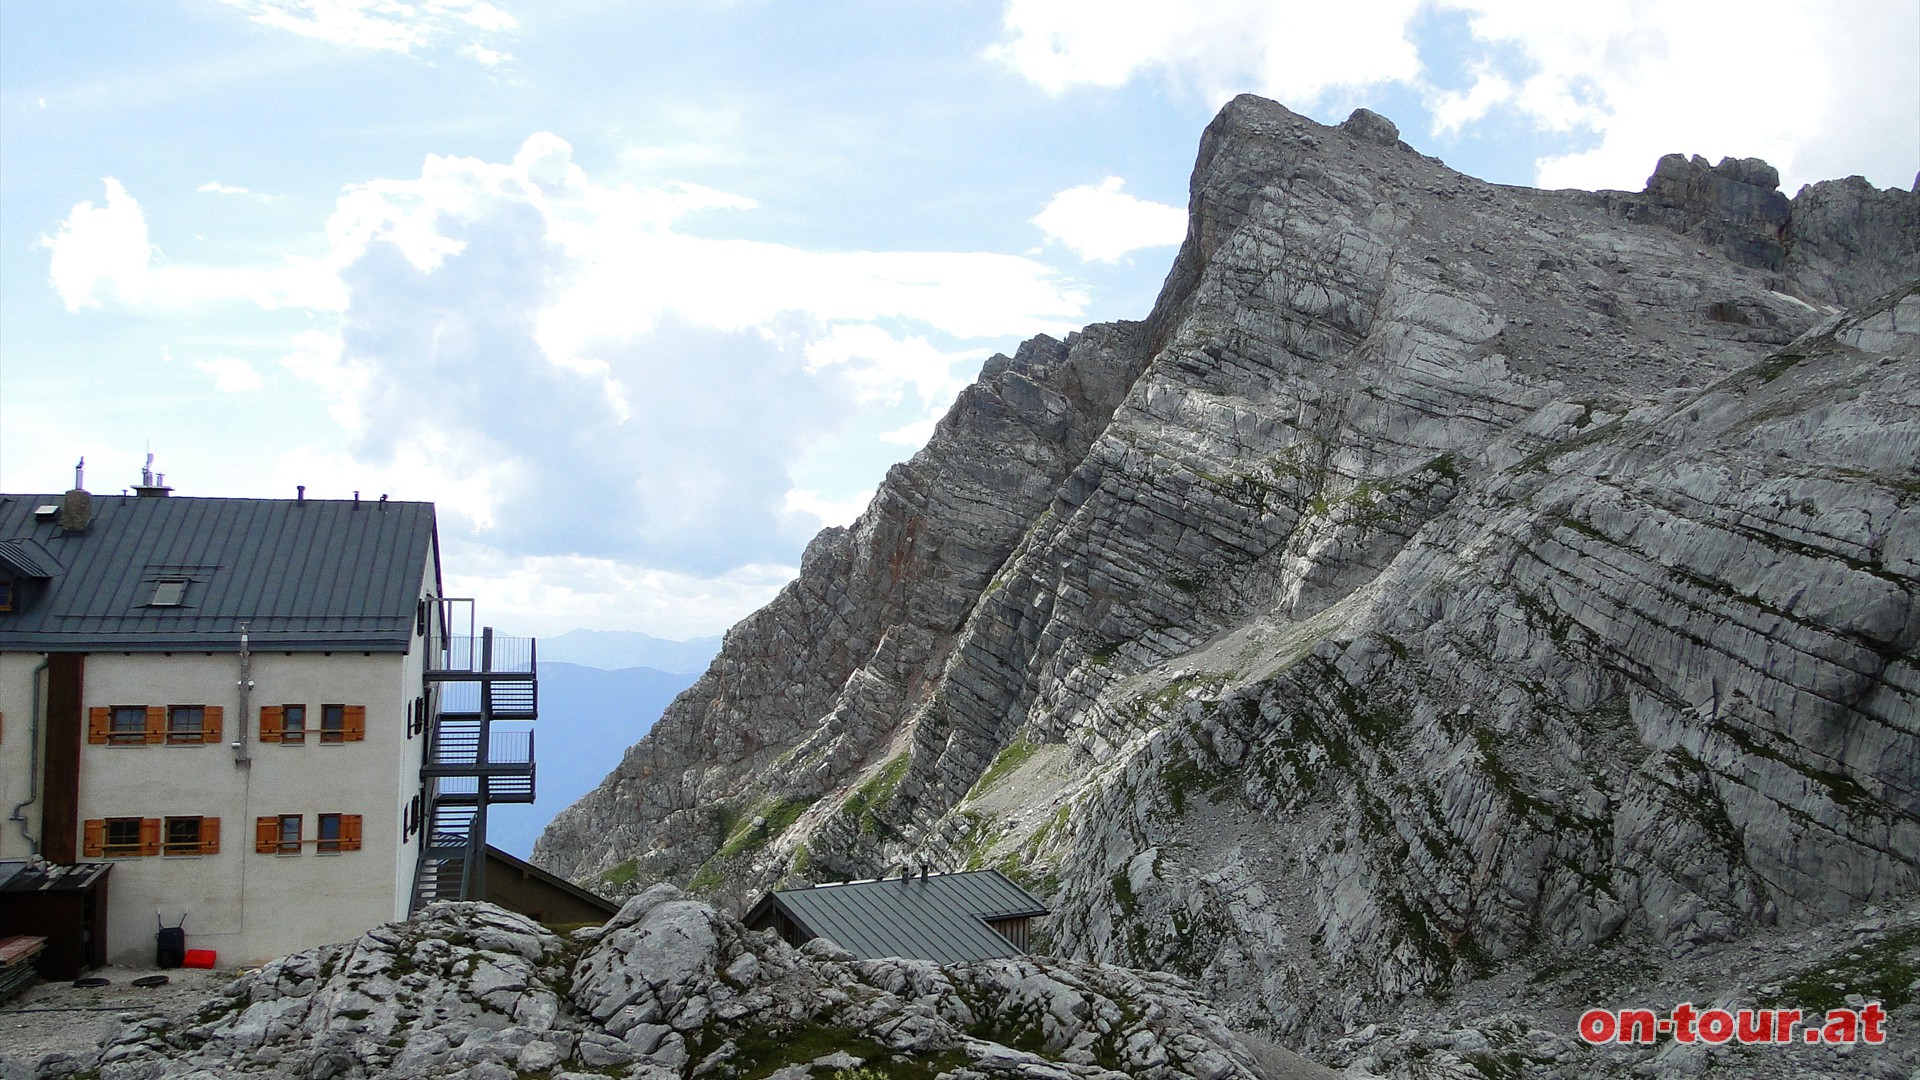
[(246, 905)]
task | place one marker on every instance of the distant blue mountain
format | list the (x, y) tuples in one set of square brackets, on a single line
[(588, 718), (614, 649)]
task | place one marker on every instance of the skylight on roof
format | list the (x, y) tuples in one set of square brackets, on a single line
[(168, 592), (46, 510)]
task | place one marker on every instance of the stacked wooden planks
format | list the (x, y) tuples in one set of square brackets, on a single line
[(16, 963)]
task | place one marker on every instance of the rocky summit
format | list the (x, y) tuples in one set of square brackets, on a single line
[(1452, 599), (669, 988)]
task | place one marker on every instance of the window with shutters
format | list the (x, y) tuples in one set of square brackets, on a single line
[(127, 725), (186, 724), (120, 837), (289, 841), (191, 836), (143, 725), (131, 837), (343, 723), (281, 834), (329, 833)]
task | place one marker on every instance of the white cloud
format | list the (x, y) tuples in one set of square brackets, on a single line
[(1454, 108), (102, 253), (1101, 223), (230, 375), (572, 373), (215, 188), (393, 25), (101, 250), (567, 337), (552, 594), (1818, 89), (1644, 79), (484, 56), (1297, 52), (828, 511), (882, 368)]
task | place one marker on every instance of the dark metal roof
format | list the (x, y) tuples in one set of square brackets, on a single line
[(304, 575), (940, 917), (514, 864), (27, 559)]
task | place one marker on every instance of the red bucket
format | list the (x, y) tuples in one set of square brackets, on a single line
[(200, 958)]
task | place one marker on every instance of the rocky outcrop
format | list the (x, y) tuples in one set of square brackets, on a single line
[(1442, 576), (671, 988)]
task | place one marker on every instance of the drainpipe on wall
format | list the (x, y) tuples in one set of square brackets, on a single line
[(33, 769), (242, 749)]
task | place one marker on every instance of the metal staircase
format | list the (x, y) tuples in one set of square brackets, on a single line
[(474, 682)]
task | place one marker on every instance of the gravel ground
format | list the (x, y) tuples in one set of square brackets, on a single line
[(59, 1017)]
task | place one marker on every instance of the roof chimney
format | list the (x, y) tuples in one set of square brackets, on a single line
[(76, 507), (152, 485)]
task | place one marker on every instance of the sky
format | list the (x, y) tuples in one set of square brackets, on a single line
[(643, 294)]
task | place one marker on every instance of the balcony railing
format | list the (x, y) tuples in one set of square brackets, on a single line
[(456, 752), (466, 654), (465, 790)]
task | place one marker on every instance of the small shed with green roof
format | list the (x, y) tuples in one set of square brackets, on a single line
[(945, 918)]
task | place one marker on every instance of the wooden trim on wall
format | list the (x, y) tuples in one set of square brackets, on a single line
[(60, 782)]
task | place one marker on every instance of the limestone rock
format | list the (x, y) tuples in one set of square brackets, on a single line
[(672, 989), (1443, 574)]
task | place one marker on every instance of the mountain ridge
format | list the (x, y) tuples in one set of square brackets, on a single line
[(1442, 574)]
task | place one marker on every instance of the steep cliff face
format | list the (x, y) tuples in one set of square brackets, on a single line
[(1443, 575)]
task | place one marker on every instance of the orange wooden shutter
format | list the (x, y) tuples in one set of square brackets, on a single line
[(210, 727), (150, 836), (353, 723), (273, 720), (99, 722), (94, 844), (156, 723), (209, 836), (349, 832), (266, 835)]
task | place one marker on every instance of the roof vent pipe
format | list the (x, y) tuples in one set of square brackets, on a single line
[(301, 493), (152, 485), (383, 503)]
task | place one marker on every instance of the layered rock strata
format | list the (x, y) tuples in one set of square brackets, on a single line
[(1443, 574)]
